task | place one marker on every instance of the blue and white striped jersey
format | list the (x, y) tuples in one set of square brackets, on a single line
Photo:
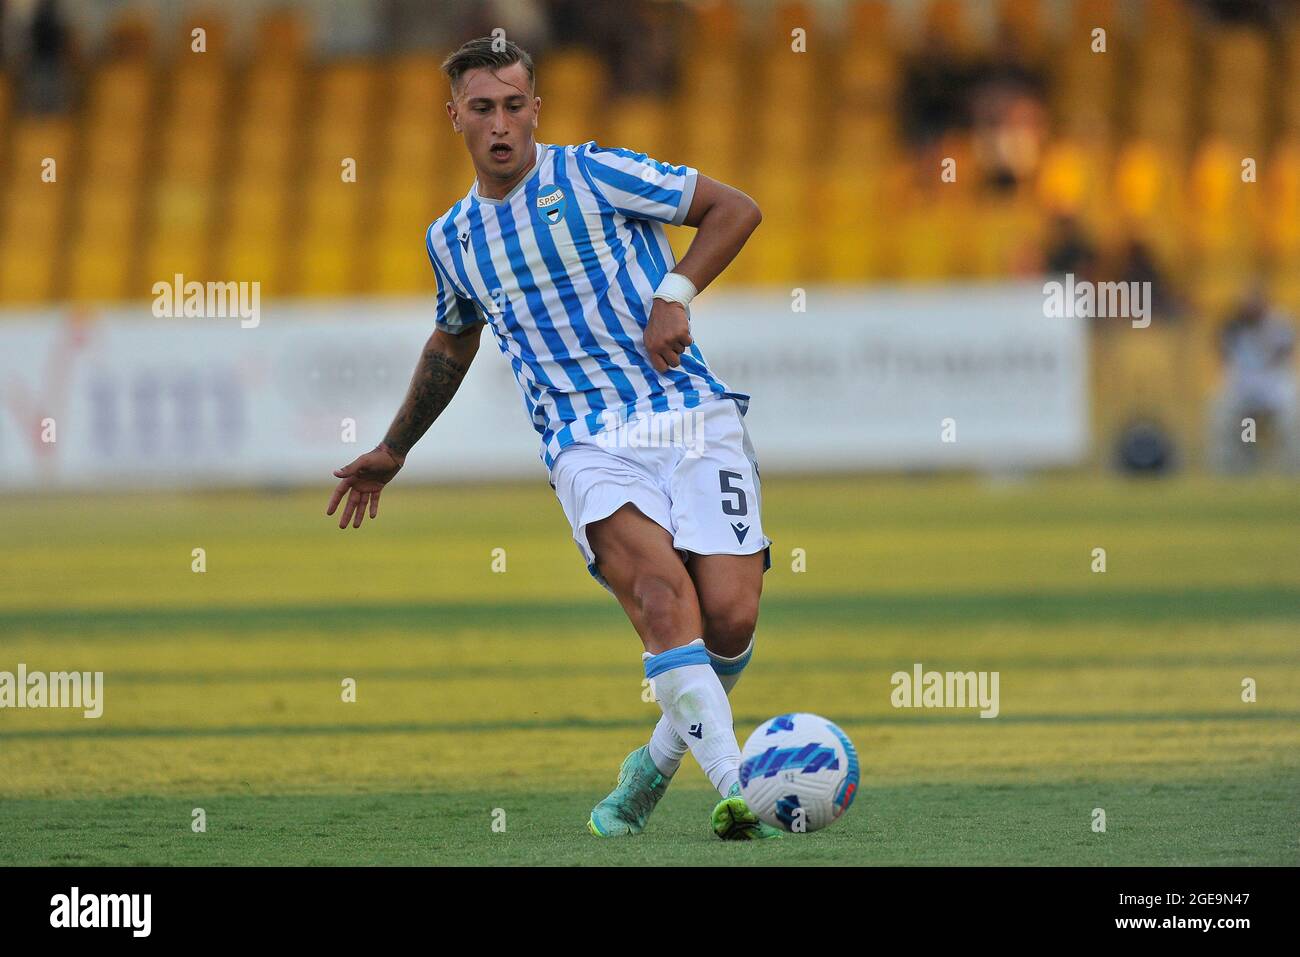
[(563, 269)]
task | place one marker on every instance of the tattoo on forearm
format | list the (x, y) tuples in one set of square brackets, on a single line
[(436, 380)]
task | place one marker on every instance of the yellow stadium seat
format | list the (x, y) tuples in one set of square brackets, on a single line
[(1161, 16), (257, 206), (195, 156), (867, 25), (712, 137), (198, 90), (281, 35), (1221, 238), (452, 177), (992, 237), (644, 124), (257, 259), (922, 244), (718, 21), (33, 214), (571, 84), (326, 268), (121, 92), (775, 252), (172, 252), (406, 205), (108, 215), (252, 246), (333, 207), (1219, 198), (1023, 22), (264, 153), (401, 266), (868, 79), (1063, 178), (99, 272), (26, 275), (846, 242), (115, 160), (35, 138), (948, 19), (1281, 182), (412, 145), (417, 83), (216, 39), (273, 94), (182, 207), (345, 102), (1236, 100)]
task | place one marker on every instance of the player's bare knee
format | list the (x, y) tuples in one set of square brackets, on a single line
[(728, 630)]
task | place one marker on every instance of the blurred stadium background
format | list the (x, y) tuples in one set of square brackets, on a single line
[(1122, 166), (477, 689)]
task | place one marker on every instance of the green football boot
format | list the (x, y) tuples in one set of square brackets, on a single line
[(733, 820), (640, 786)]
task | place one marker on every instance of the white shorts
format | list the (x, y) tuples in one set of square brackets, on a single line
[(691, 471)]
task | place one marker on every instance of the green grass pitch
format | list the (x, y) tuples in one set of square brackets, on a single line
[(521, 691)]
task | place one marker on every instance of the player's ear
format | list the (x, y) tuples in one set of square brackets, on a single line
[(451, 111)]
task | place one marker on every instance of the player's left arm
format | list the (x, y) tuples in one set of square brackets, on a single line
[(724, 218)]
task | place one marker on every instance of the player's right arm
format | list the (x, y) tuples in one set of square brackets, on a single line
[(443, 363), (442, 367)]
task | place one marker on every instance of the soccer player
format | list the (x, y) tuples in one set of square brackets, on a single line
[(561, 250)]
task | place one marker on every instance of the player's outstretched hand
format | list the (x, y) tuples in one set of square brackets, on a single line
[(667, 334), (361, 481)]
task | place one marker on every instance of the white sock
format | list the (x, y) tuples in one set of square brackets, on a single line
[(693, 701), (666, 746)]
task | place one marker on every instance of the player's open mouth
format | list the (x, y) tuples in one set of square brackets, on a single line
[(501, 151)]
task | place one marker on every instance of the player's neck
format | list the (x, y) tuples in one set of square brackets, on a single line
[(488, 189)]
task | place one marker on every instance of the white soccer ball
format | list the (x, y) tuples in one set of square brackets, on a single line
[(798, 772)]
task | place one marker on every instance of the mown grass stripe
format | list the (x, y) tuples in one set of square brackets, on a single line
[(909, 716), (945, 661), (344, 621)]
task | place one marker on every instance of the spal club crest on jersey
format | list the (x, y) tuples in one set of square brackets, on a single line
[(550, 204)]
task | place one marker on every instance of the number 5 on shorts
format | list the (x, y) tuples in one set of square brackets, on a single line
[(738, 507)]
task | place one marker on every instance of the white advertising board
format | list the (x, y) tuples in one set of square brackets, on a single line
[(862, 379)]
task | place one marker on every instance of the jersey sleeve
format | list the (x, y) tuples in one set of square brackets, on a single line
[(452, 312), (637, 186)]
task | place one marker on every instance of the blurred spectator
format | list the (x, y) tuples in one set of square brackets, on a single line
[(421, 25), (998, 100), (46, 75), (1010, 128), (933, 92), (1067, 248), (1256, 347), (1268, 14), (636, 39), (1136, 262), (1009, 116)]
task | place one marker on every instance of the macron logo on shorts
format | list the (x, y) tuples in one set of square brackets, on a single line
[(741, 530)]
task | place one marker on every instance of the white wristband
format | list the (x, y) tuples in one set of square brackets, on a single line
[(676, 288)]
